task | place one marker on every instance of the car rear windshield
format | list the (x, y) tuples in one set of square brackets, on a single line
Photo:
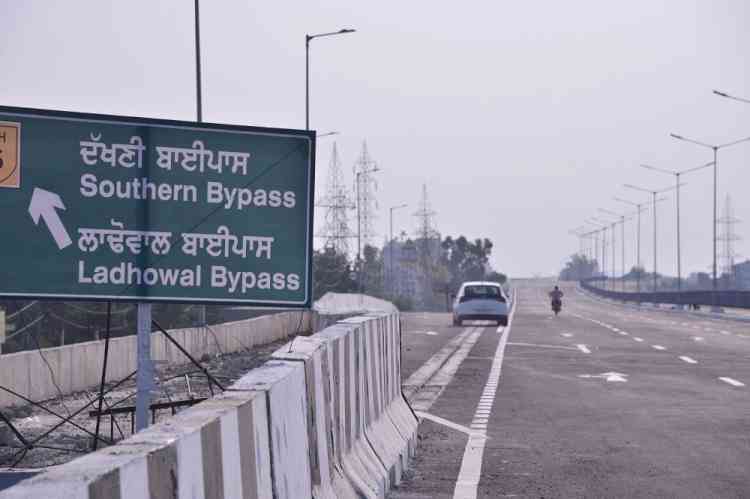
[(477, 292)]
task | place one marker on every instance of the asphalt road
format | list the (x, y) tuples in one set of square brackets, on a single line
[(602, 401)]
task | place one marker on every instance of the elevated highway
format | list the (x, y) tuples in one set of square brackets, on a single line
[(602, 401)]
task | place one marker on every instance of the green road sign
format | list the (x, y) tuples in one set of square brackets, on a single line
[(105, 207)]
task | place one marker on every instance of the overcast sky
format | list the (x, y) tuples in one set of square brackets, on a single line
[(523, 118)]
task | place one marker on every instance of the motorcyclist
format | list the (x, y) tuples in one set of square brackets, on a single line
[(556, 297)]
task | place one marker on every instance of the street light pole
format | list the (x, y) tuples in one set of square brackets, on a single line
[(655, 260), (199, 91), (612, 225), (621, 216), (728, 96), (390, 243), (715, 149), (677, 175), (654, 195), (614, 252), (603, 230), (308, 39)]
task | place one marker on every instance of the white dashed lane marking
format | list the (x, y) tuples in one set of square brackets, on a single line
[(639, 340), (470, 473), (658, 347), (583, 348), (732, 382), (687, 359)]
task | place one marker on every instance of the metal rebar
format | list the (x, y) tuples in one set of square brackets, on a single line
[(210, 377), (64, 420)]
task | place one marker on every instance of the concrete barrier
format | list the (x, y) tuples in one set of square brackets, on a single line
[(352, 303), (78, 366), (325, 418)]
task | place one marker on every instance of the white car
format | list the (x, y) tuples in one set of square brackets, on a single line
[(481, 301)]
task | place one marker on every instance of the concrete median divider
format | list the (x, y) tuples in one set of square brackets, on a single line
[(324, 418)]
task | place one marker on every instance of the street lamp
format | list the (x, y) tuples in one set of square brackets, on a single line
[(593, 237), (614, 248), (677, 174), (639, 208), (577, 232), (327, 134), (621, 216), (728, 96), (654, 194), (603, 229), (715, 149), (309, 38), (390, 243)]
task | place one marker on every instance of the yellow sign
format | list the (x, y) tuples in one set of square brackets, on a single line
[(10, 154)]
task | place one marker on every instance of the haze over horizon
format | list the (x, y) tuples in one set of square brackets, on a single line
[(522, 120)]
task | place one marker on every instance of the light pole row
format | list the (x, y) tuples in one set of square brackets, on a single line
[(655, 193), (677, 175), (715, 149)]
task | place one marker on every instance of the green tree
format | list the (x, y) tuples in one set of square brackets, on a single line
[(577, 268), (495, 276), (332, 271), (466, 260), (372, 271)]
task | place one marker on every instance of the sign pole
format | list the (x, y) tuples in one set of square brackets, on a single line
[(145, 375), (199, 117)]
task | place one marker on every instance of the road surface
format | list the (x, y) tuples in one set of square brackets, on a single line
[(602, 401)]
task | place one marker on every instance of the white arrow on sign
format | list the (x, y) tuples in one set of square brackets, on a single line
[(610, 377), (44, 205)]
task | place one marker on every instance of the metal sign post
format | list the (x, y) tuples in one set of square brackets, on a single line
[(145, 376)]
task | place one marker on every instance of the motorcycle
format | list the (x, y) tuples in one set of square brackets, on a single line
[(556, 306)]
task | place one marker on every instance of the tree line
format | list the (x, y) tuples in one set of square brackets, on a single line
[(440, 266)]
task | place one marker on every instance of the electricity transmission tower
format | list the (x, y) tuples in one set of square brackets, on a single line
[(338, 203), (428, 246), (426, 218), (366, 188), (728, 237)]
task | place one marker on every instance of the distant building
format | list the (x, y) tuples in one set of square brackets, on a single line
[(742, 275), (402, 262), (699, 280), (400, 265)]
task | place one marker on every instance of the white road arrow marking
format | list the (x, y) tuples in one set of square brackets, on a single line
[(44, 205), (610, 377)]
